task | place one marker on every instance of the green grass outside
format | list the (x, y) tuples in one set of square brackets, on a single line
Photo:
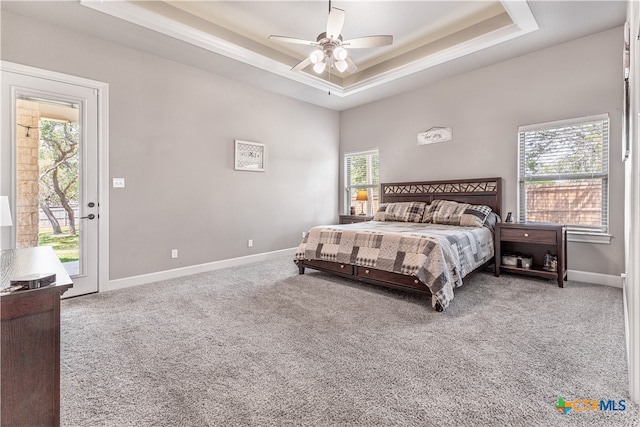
[(64, 245)]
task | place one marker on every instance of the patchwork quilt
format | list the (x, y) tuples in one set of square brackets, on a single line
[(438, 255)]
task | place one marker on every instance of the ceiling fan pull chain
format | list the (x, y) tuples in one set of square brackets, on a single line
[(330, 67)]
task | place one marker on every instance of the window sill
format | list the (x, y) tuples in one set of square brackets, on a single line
[(585, 237)]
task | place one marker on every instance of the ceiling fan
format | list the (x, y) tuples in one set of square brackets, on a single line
[(331, 48)]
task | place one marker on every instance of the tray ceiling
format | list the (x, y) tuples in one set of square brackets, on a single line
[(425, 33)]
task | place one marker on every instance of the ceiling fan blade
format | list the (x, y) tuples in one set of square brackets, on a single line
[(284, 39), (335, 23), (301, 65), (368, 41), (352, 65)]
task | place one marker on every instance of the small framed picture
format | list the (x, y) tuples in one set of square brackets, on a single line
[(250, 156)]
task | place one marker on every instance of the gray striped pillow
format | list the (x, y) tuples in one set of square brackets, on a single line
[(401, 212)]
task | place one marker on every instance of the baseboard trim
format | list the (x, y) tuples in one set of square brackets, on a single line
[(595, 278), (142, 279), (127, 282)]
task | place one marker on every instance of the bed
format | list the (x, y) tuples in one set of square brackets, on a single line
[(399, 250)]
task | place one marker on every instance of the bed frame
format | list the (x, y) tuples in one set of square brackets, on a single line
[(482, 191)]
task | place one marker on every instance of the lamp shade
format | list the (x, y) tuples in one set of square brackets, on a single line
[(316, 56), (342, 66), (362, 196), (340, 53), (5, 212), (319, 67)]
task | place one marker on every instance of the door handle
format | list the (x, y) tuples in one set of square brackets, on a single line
[(90, 216)]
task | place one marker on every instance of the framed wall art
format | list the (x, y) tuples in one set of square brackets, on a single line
[(249, 156)]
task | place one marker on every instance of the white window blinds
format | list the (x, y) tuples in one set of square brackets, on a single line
[(564, 173)]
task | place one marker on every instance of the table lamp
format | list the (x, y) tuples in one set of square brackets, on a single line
[(362, 196)]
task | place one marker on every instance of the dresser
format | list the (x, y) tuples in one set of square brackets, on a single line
[(30, 339)]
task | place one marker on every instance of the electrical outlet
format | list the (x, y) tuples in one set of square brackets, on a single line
[(249, 243), (174, 253), (304, 234)]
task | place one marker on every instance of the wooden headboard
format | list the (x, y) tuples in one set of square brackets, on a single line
[(480, 191)]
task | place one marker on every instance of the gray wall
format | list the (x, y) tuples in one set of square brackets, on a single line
[(172, 131), (485, 108)]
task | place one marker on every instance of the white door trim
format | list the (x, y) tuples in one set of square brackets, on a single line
[(102, 89)]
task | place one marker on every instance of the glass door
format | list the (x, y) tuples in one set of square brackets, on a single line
[(55, 172)]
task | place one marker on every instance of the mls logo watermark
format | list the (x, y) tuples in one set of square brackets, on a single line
[(590, 405)]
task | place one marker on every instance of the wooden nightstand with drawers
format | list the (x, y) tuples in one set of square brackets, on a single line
[(532, 239)]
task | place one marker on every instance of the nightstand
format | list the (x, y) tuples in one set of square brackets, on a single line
[(350, 219), (533, 239)]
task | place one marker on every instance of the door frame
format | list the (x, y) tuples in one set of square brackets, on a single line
[(102, 91)]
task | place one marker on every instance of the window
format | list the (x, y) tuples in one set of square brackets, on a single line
[(361, 173), (564, 173)]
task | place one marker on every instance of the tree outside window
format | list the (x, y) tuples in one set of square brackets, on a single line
[(59, 170), (564, 173)]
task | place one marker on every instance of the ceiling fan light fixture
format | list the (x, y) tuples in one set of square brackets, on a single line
[(319, 67), (340, 53), (342, 65), (330, 47), (316, 57)]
